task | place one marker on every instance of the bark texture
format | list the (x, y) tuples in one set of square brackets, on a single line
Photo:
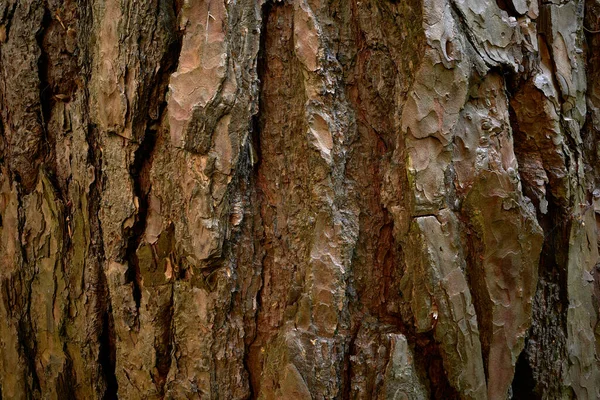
[(295, 199)]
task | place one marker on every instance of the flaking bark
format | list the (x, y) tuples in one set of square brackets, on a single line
[(231, 199)]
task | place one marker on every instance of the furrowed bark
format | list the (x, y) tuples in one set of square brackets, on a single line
[(299, 199)]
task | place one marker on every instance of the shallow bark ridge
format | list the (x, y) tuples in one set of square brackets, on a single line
[(294, 199)]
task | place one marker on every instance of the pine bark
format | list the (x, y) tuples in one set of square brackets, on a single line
[(295, 199)]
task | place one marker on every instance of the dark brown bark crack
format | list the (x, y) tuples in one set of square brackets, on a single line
[(140, 174)]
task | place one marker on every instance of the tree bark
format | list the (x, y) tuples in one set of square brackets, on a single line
[(290, 199)]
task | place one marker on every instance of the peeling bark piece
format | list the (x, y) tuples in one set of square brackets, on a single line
[(494, 35), (401, 379), (202, 65), (433, 106), (13, 368), (582, 315), (503, 272), (561, 24), (44, 229), (540, 146), (437, 288)]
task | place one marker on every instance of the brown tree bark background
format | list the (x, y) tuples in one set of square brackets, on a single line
[(295, 199)]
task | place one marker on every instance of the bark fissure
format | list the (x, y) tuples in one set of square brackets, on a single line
[(103, 311), (45, 89)]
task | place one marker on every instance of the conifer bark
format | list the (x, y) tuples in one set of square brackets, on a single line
[(294, 199)]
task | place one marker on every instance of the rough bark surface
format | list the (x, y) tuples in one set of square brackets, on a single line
[(295, 199)]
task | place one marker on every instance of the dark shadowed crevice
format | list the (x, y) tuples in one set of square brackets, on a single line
[(252, 362), (523, 384), (163, 347), (428, 355), (45, 87), (258, 257), (52, 54), (58, 73), (65, 387), (107, 355), (474, 250), (143, 156), (6, 19), (508, 6), (347, 367), (140, 189), (102, 305), (140, 171), (28, 350), (546, 342), (94, 274)]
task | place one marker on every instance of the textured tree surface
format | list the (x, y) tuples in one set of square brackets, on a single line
[(326, 199)]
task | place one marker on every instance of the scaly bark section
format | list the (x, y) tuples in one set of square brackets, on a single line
[(309, 238), (299, 199)]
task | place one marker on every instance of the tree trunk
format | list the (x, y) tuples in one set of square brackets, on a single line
[(295, 199)]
